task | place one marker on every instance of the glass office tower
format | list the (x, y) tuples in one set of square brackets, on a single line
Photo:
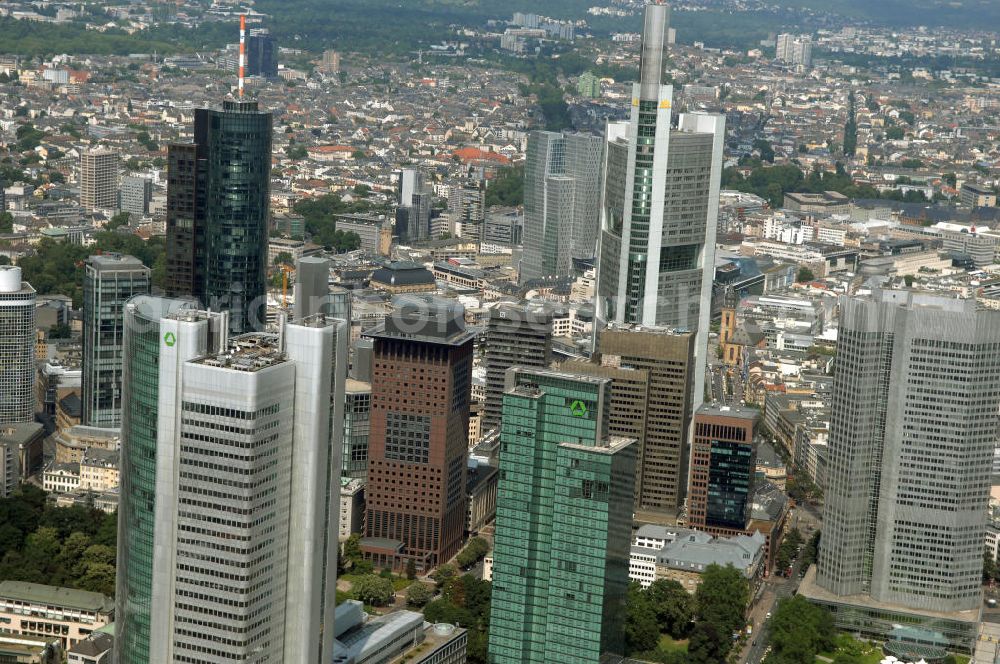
[(217, 212), (564, 509)]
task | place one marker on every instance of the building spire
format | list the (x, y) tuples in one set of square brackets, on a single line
[(654, 39)]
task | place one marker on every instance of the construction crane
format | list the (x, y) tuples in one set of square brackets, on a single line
[(285, 271)]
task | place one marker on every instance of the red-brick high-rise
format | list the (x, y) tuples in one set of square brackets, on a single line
[(421, 382)]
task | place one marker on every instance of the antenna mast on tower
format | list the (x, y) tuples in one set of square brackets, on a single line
[(243, 50)]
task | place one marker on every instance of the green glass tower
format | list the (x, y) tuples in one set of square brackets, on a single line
[(218, 197), (138, 473), (564, 514)]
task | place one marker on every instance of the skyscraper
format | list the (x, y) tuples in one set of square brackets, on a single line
[(413, 214), (243, 489), (467, 204), (139, 456), (217, 212), (564, 507), (421, 386), (562, 196), (516, 335), (135, 195), (109, 281), (99, 179), (17, 347), (662, 412), (723, 466), (913, 427), (262, 53), (661, 200)]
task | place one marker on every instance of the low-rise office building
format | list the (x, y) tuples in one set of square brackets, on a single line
[(33, 609), (398, 637)]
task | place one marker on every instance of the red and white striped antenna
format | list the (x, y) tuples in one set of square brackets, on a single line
[(243, 50)]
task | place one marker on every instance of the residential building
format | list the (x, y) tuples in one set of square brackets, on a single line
[(516, 335), (649, 541), (794, 50), (61, 477), (975, 195), (266, 390), (331, 62), (589, 86), (660, 211), (912, 432), (17, 347), (467, 207), (33, 609), (99, 471), (723, 466), (564, 506), (135, 195), (95, 649), (109, 280), (421, 383), (562, 194), (357, 429), (217, 212), (99, 179)]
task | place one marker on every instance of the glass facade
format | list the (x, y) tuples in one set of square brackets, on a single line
[(560, 562), (109, 281), (238, 152), (730, 477), (217, 212), (136, 518), (357, 427)]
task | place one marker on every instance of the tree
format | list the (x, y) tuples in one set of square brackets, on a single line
[(642, 631), (362, 190), (411, 569), (894, 133), (721, 600), (800, 630), (805, 275), (507, 188), (373, 590), (674, 606), (117, 221), (765, 150), (284, 258), (60, 331), (99, 578), (474, 551), (443, 574), (6, 222), (707, 645), (418, 594), (296, 151)]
